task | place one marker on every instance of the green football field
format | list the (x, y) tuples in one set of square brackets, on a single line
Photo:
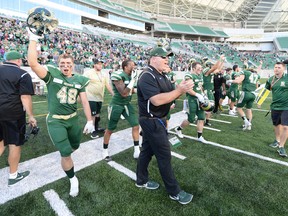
[(237, 173)]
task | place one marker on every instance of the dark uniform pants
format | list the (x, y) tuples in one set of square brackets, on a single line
[(155, 142)]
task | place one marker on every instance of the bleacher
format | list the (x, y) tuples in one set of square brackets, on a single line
[(281, 43)]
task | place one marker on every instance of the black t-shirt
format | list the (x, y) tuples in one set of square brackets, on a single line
[(151, 83), (14, 82), (218, 80)]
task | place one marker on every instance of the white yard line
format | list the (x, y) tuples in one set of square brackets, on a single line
[(238, 150), (57, 204), (234, 116), (208, 128), (123, 170), (35, 102), (222, 121), (261, 110), (181, 157)]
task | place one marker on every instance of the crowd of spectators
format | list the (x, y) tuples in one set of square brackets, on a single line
[(84, 47)]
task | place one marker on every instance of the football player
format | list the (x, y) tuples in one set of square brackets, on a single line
[(195, 97), (249, 79), (208, 80), (63, 87), (123, 88)]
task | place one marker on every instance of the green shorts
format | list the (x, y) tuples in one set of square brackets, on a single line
[(246, 99), (95, 107), (195, 110), (233, 94), (65, 134), (115, 112)]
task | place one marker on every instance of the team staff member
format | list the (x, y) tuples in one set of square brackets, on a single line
[(95, 92), (219, 82), (278, 84), (123, 88), (62, 121), (155, 95), (16, 89)]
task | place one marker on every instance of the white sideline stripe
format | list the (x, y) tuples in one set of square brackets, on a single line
[(217, 120), (261, 110), (208, 128), (222, 114), (57, 204), (239, 151), (181, 157), (123, 169)]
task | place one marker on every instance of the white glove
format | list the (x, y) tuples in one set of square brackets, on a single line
[(89, 127), (134, 75), (32, 36), (200, 97), (228, 82)]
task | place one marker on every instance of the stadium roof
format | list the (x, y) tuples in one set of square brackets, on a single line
[(270, 15)]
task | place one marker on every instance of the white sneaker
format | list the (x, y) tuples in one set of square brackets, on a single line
[(201, 139), (179, 133), (231, 112), (247, 125), (136, 152), (74, 187), (105, 155)]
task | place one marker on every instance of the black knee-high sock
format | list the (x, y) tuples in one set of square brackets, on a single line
[(97, 120), (70, 173)]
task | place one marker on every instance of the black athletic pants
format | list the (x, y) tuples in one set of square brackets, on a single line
[(155, 142)]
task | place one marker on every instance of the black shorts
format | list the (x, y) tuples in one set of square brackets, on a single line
[(95, 107), (279, 117), (13, 132)]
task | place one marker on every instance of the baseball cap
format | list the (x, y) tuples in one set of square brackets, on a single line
[(13, 55), (161, 51), (96, 61)]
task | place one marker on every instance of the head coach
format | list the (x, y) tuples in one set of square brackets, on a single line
[(155, 95)]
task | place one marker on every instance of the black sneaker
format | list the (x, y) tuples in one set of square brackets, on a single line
[(19, 177), (100, 130), (94, 135), (207, 124)]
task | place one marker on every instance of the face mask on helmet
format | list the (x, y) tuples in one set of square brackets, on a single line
[(41, 21), (208, 105)]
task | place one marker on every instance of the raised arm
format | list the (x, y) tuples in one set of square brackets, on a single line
[(40, 71)]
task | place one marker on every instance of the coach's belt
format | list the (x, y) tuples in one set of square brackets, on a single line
[(144, 117), (64, 117)]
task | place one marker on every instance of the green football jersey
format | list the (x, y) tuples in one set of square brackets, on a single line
[(227, 77), (208, 81), (233, 77), (279, 89), (118, 99), (198, 83), (250, 81), (63, 91), (171, 75)]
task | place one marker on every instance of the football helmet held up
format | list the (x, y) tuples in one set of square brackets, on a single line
[(207, 105), (41, 21)]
